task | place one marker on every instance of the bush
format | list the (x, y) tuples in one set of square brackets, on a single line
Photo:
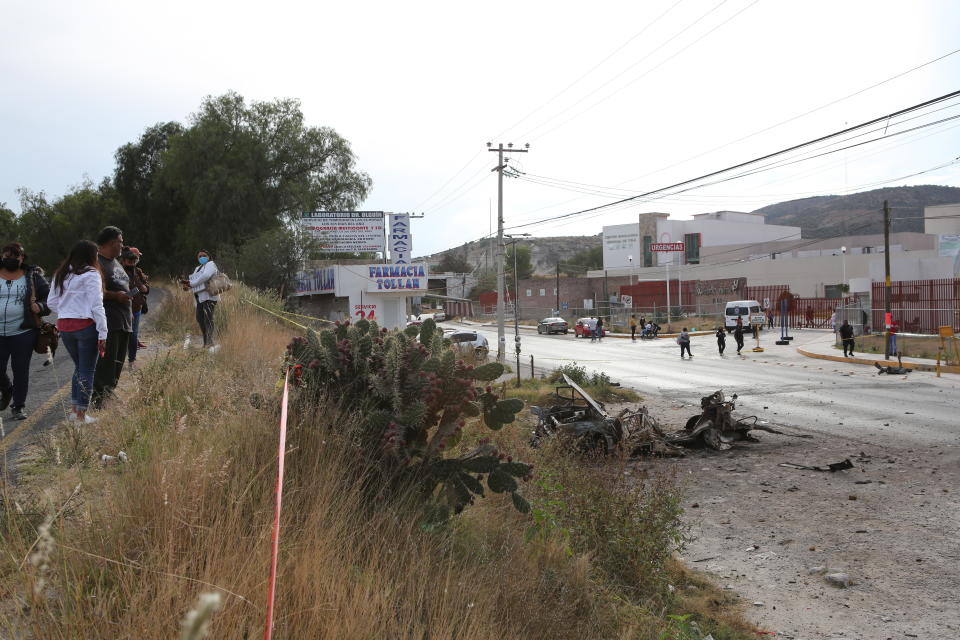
[(575, 372)]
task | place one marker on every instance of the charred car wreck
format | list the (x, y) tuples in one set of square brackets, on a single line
[(585, 424)]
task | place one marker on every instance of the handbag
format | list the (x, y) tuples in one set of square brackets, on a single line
[(218, 283), (48, 336)]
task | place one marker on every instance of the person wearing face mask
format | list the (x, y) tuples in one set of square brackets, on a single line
[(206, 303), (23, 295), (117, 304)]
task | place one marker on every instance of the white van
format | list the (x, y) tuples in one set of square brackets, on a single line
[(740, 309)]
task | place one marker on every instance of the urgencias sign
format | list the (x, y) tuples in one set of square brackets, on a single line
[(398, 278)]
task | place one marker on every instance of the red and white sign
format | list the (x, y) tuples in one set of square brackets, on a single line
[(364, 312), (667, 246)]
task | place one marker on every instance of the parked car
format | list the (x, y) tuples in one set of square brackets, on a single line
[(470, 342), (553, 325), (585, 328), (742, 309)]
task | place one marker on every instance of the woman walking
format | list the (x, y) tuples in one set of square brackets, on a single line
[(721, 340), (77, 299), (23, 300), (684, 341), (197, 283)]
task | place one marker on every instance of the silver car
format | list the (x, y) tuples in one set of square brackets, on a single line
[(470, 342)]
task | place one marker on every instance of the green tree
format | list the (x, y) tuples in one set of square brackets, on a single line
[(455, 262), (269, 260), (524, 267), (8, 224), (583, 261)]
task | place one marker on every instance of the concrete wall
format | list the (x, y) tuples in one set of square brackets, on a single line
[(934, 223)]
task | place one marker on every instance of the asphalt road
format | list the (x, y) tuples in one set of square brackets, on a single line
[(778, 385)]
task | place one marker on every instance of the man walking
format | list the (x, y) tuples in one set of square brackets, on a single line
[(600, 328), (119, 310), (738, 335), (721, 340), (633, 328), (684, 341), (846, 336)]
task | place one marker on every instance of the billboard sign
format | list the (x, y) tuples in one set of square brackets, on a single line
[(397, 278), (346, 231), (399, 240), (667, 246), (315, 281)]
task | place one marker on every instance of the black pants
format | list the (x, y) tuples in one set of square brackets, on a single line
[(721, 345), (739, 340), (685, 346), (18, 350), (633, 333), (205, 320), (847, 345), (110, 366)]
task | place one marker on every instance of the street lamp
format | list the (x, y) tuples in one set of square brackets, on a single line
[(516, 300)]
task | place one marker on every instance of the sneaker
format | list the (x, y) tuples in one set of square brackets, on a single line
[(214, 348), (18, 413), (88, 419), (5, 396)]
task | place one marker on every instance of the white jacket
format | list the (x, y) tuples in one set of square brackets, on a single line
[(199, 278), (81, 297)]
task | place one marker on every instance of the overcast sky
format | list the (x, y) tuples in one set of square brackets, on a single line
[(609, 94)]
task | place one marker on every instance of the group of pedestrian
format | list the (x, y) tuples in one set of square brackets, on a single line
[(722, 338), (99, 294)]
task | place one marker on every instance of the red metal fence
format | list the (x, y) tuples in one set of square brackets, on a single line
[(769, 292), (919, 306)]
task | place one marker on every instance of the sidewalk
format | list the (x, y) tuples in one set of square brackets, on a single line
[(608, 334), (824, 350)]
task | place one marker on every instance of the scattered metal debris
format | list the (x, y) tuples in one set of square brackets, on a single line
[(833, 466), (891, 370), (585, 421)]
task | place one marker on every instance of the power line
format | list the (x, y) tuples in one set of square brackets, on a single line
[(749, 162)]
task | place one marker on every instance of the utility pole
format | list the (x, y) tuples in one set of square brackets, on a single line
[(887, 320), (500, 150), (558, 287)]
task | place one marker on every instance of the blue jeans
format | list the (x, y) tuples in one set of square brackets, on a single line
[(134, 337), (82, 347), (18, 350)]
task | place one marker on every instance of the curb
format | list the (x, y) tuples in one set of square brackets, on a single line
[(917, 366)]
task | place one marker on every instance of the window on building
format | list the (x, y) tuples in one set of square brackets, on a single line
[(543, 292), (529, 293), (647, 252), (692, 247)]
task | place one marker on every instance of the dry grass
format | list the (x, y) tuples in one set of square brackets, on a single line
[(192, 511)]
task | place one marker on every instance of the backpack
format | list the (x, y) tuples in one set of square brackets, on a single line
[(218, 283)]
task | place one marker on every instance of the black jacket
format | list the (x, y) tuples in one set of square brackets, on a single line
[(846, 331), (37, 286)]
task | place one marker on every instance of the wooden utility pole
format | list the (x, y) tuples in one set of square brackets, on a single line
[(558, 287), (500, 150), (887, 319)]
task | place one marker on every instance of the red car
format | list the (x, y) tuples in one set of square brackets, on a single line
[(585, 328)]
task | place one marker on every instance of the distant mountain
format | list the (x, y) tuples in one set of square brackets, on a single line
[(860, 213)]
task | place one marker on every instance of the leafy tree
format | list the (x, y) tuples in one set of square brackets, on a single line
[(486, 282), (8, 224), (583, 261), (269, 260), (455, 262), (524, 267)]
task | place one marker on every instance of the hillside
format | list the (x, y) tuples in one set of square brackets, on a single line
[(544, 252), (859, 213)]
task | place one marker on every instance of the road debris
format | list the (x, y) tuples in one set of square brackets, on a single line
[(833, 466)]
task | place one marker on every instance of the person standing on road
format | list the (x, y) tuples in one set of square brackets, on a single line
[(197, 283), (23, 296), (684, 341), (846, 336), (139, 288), (600, 328), (119, 312), (894, 327), (633, 328), (77, 299), (721, 340), (738, 335), (769, 318)]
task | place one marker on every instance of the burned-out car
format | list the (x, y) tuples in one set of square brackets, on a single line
[(585, 423)]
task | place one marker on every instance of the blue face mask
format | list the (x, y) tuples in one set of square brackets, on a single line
[(203, 260)]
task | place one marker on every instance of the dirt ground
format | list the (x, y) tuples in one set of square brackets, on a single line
[(891, 523)]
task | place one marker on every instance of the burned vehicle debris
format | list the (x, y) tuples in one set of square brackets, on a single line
[(587, 426)]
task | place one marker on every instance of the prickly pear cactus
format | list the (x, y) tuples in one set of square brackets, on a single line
[(415, 396)]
